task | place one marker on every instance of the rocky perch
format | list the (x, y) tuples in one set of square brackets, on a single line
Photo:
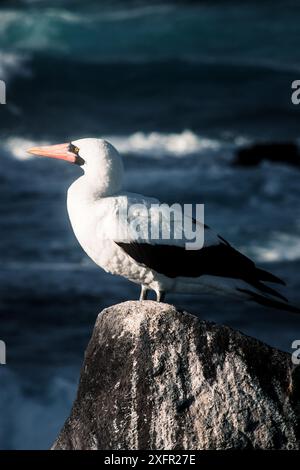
[(158, 378)]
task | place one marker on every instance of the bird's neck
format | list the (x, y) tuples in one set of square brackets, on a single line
[(89, 189), (103, 180)]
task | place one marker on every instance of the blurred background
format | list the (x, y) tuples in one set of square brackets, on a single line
[(179, 88)]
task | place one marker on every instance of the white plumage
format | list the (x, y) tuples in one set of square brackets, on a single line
[(95, 202)]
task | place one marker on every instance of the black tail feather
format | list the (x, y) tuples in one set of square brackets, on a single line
[(268, 277), (268, 302), (268, 290)]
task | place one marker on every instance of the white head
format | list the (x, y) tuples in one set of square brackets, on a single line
[(100, 161)]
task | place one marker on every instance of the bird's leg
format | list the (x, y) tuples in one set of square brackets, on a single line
[(144, 293), (160, 296)]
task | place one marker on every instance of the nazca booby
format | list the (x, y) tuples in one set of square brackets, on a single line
[(96, 200)]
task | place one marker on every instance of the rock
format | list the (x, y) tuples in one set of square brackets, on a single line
[(274, 152), (157, 378)]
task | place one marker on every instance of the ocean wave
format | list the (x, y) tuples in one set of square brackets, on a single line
[(283, 247), (153, 144), (25, 425), (158, 144), (241, 62), (62, 15), (85, 264), (12, 64), (54, 29), (130, 13), (17, 147)]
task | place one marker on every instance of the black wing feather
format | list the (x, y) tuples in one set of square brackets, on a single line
[(217, 260)]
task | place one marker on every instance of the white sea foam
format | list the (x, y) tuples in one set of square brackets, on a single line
[(154, 144), (12, 64), (158, 144), (18, 146), (283, 247)]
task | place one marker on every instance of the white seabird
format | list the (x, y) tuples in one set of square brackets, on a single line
[(96, 200)]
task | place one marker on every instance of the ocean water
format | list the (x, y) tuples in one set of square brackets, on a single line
[(177, 87)]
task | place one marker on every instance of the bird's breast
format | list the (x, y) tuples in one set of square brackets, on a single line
[(94, 224)]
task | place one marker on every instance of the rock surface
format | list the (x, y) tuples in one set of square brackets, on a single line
[(157, 378)]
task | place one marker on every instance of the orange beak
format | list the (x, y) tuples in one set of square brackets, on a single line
[(60, 151)]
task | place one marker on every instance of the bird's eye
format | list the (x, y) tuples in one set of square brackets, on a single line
[(73, 149)]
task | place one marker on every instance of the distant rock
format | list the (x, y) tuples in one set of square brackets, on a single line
[(273, 152), (158, 378)]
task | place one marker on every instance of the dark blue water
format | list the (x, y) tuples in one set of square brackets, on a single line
[(177, 88)]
